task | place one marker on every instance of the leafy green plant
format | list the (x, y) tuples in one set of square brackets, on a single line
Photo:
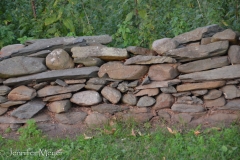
[(30, 130), (23, 39)]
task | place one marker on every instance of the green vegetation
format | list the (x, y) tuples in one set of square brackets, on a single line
[(130, 22), (125, 141)]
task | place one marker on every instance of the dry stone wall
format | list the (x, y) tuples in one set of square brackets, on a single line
[(185, 78)]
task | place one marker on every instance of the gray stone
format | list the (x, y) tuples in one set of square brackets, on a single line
[(164, 115), (58, 97), (232, 82), (234, 54), (162, 72), (198, 34), (40, 54), (182, 117), (75, 81), (226, 35), (111, 94), (97, 81), (215, 102), (163, 101), (117, 70), (3, 110), (138, 110), (180, 94), (94, 87), (191, 53), (86, 98), (22, 93), (123, 87), (40, 85), (146, 80), (146, 101), (104, 53), (233, 104), (71, 117), (7, 51), (53, 90), (140, 51), (4, 90), (12, 120), (19, 66), (149, 60), (159, 84), (3, 99), (106, 108), (187, 108), (15, 127), (89, 61), (96, 119), (205, 64), (200, 92), (129, 99), (11, 103), (149, 92), (29, 109), (206, 40), (59, 106), (227, 72), (75, 73), (163, 45), (61, 83), (169, 89), (230, 91), (213, 94), (189, 100), (133, 84)]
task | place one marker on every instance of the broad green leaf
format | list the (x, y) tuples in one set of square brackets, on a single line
[(50, 20), (68, 23), (143, 14), (129, 16)]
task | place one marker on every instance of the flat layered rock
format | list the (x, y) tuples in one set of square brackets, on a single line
[(187, 108), (117, 70), (86, 98), (233, 104), (75, 73), (29, 109), (182, 117), (198, 34), (215, 102), (163, 101), (190, 53), (104, 53), (206, 64), (11, 103), (71, 117), (4, 90), (22, 93), (94, 87), (180, 94), (226, 35), (189, 100), (3, 99), (53, 90), (140, 51), (9, 49), (169, 89), (200, 92), (230, 91), (148, 92), (159, 84), (162, 72), (19, 66), (149, 60), (106, 108), (12, 120), (89, 61), (3, 110), (163, 45), (203, 85), (213, 94), (224, 73), (58, 97), (139, 118)]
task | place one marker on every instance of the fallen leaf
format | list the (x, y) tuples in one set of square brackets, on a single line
[(171, 131), (197, 133), (133, 133), (86, 137)]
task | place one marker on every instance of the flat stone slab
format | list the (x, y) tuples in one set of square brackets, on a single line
[(219, 102), (159, 84), (233, 104), (13, 120), (11, 103), (140, 51), (149, 92), (58, 97), (187, 108), (3, 110), (53, 90), (104, 53), (224, 73), (206, 64), (75, 73), (71, 117), (107, 108), (4, 90), (149, 60), (190, 53), (203, 85)]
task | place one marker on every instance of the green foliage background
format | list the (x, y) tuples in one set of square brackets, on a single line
[(130, 22)]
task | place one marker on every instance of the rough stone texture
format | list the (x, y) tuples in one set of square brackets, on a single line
[(9, 49), (159, 84), (59, 59), (123, 87), (94, 87), (149, 92), (182, 118), (234, 54), (75, 73), (133, 84), (146, 101), (61, 83), (180, 94), (215, 103), (189, 100), (227, 34), (12, 120), (97, 81), (213, 94), (19, 66), (164, 115), (116, 70), (86, 98), (149, 60), (75, 81), (163, 45), (29, 109), (3, 110), (104, 53), (22, 93), (163, 101), (53, 90), (58, 97), (11, 103), (3, 99), (198, 34), (4, 90), (111, 94), (162, 72), (227, 72), (106, 108), (233, 104), (169, 89), (232, 82), (190, 53), (40, 54), (129, 99), (222, 117), (71, 117), (205, 64), (230, 91), (206, 40), (139, 118), (187, 108), (200, 92), (59, 106), (203, 85), (89, 61), (140, 51), (40, 85), (96, 119)]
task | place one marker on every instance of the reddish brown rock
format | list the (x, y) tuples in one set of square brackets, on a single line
[(162, 72), (22, 93), (163, 45), (215, 103), (58, 97), (227, 34), (234, 54), (213, 94), (149, 92), (159, 84), (163, 101)]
